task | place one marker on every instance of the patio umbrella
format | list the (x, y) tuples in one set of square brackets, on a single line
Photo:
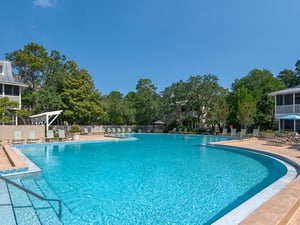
[(290, 117)]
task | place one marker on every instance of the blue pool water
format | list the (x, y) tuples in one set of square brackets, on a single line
[(156, 179)]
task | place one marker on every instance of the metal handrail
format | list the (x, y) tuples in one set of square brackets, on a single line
[(34, 194)]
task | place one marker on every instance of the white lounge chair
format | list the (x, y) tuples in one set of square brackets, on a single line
[(255, 132), (18, 138), (32, 138), (61, 135), (50, 135), (233, 132), (224, 132), (85, 131), (242, 133)]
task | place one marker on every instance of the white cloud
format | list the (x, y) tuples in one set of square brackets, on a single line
[(44, 3)]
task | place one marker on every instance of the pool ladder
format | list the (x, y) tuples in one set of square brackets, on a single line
[(34, 194)]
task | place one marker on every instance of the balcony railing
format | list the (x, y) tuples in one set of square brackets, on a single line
[(287, 109)]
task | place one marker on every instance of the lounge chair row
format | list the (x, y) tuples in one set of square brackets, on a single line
[(101, 130), (50, 135), (242, 133), (280, 140), (179, 131), (19, 139)]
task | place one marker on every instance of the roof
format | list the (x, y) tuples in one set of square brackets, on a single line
[(52, 113), (45, 118), (6, 76), (292, 90)]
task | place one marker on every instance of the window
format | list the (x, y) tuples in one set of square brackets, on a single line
[(279, 99), (8, 89), (297, 98), (288, 125), (16, 91), (1, 70), (288, 99), (11, 90)]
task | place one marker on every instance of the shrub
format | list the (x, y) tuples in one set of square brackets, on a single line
[(75, 129)]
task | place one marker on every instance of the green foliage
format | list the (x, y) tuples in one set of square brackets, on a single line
[(172, 124), (290, 78), (259, 83), (147, 102), (245, 107), (200, 98), (81, 102), (47, 100), (5, 106), (268, 131), (30, 63), (57, 83), (75, 129), (174, 99)]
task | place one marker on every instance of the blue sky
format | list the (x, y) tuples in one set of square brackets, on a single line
[(120, 42)]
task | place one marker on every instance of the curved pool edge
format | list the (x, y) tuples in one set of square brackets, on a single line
[(33, 168), (283, 207), (240, 213), (272, 211)]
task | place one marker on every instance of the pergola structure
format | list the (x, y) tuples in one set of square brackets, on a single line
[(46, 118)]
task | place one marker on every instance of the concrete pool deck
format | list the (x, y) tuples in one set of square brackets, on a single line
[(282, 208)]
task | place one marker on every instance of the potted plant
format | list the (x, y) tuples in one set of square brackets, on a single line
[(75, 131)]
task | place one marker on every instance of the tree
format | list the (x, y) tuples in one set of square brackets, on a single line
[(174, 99), (203, 93), (288, 77), (81, 102), (30, 63), (245, 107), (259, 84), (115, 107), (147, 102), (129, 108), (6, 105), (297, 69), (47, 100), (57, 71), (221, 108)]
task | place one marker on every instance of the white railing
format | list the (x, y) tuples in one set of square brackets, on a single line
[(287, 109), (297, 108)]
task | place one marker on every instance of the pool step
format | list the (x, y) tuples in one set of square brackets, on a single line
[(28, 209), (46, 211), (67, 217), (6, 209)]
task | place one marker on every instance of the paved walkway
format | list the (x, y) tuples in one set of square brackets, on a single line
[(284, 207), (4, 162)]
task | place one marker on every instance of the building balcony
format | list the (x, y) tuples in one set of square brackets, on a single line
[(287, 109)]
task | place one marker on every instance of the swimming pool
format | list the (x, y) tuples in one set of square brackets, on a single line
[(157, 179)]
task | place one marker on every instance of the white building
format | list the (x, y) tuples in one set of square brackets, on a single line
[(9, 87), (287, 108)]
